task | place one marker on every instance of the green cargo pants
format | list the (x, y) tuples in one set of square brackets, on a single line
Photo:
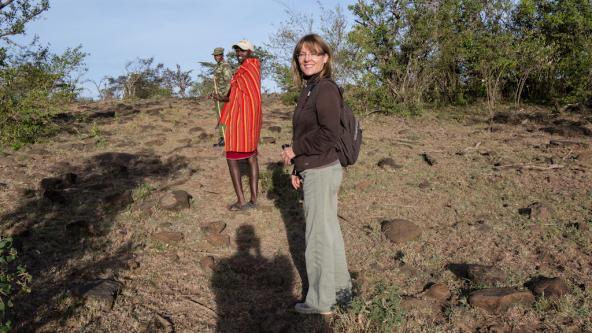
[(326, 266)]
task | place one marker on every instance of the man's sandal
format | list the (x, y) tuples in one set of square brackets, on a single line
[(236, 207)]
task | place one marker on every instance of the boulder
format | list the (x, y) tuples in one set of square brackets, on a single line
[(497, 300), (400, 231)]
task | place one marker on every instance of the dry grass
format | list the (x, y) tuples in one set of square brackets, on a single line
[(466, 204)]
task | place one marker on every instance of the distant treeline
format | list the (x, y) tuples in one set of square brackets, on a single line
[(391, 56), (401, 55)]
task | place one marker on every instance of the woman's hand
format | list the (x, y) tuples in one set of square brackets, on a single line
[(288, 155), (296, 182)]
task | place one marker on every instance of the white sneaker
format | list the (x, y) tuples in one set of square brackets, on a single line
[(304, 308)]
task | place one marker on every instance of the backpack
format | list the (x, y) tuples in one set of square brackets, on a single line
[(350, 141)]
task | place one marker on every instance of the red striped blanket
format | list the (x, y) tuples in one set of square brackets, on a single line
[(242, 113)]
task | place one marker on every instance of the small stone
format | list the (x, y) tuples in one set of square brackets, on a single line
[(213, 227), (428, 159), (207, 263), (159, 324), (3, 186), (218, 240), (119, 200), (52, 183), (439, 291), (499, 328), (168, 237), (268, 140), (363, 185), (424, 185), (55, 196), (497, 300), (275, 129), (81, 228), (196, 129), (175, 200), (165, 225), (552, 288), (400, 231), (536, 211), (485, 275), (388, 163)]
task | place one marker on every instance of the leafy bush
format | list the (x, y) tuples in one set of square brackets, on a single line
[(34, 85), (378, 312), (13, 279)]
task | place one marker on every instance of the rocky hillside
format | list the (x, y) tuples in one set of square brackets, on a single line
[(452, 223)]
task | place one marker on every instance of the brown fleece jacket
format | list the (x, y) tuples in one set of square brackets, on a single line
[(316, 124)]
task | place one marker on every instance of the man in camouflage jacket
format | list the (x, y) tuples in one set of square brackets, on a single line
[(222, 76)]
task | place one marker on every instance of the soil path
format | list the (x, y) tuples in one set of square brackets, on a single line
[(87, 214)]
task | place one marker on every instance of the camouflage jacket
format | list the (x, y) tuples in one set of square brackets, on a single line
[(222, 75)]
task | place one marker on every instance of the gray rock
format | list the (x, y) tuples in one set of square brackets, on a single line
[(400, 231), (99, 293)]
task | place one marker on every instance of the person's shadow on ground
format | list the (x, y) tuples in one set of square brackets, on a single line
[(253, 293), (61, 232)]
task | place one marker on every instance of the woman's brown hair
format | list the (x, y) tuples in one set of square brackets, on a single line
[(312, 42)]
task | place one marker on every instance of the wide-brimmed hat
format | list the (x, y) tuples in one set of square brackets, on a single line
[(218, 51), (244, 45)]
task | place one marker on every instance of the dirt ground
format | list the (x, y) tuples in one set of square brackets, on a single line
[(112, 247)]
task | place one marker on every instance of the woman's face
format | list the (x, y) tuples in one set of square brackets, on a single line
[(311, 61)]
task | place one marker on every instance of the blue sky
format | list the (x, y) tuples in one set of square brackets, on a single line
[(180, 32)]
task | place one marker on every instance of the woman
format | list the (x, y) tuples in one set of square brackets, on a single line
[(316, 129), (242, 117)]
